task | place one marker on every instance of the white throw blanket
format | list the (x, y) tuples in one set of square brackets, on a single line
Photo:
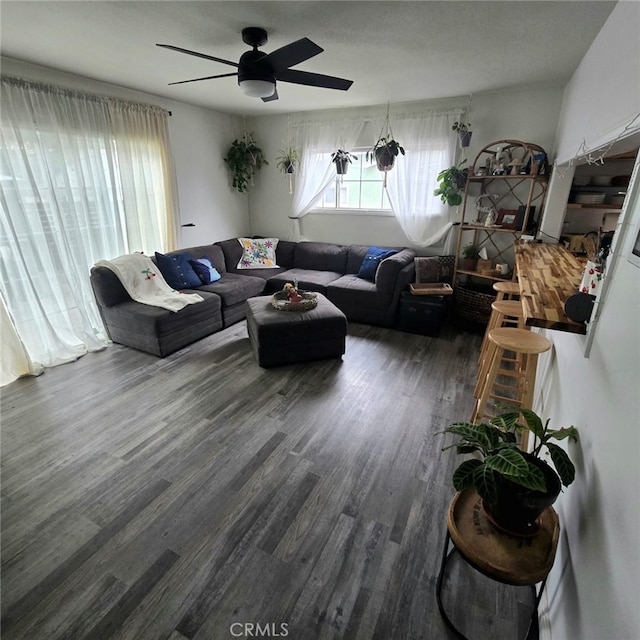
[(144, 282)]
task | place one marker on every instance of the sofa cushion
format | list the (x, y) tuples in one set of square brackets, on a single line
[(371, 261), (320, 256), (389, 269), (310, 280), (258, 253), (177, 271), (356, 254), (234, 288)]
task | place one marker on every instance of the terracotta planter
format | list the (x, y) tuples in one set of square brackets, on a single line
[(517, 508)]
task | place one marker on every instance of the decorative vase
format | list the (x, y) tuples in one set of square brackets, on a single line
[(517, 508)]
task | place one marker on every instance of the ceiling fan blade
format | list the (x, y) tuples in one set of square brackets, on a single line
[(222, 75), (199, 55), (272, 97), (290, 55), (313, 79)]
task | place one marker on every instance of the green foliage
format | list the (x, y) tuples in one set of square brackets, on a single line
[(451, 183), (497, 454), (342, 156), (382, 146), (244, 158), (470, 251), (288, 157), (461, 127)]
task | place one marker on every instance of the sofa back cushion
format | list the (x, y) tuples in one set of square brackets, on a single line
[(389, 269), (210, 251), (321, 256), (107, 287)]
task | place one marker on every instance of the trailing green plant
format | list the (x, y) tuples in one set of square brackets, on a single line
[(500, 456), (451, 183), (244, 158), (287, 160), (470, 251)]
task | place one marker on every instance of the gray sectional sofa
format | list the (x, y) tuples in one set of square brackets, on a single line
[(330, 269)]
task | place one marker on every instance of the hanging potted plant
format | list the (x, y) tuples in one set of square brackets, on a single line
[(244, 158), (452, 181), (287, 160), (342, 160), (515, 486), (385, 151), (464, 133)]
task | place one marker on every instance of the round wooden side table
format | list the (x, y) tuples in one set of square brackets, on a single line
[(509, 559)]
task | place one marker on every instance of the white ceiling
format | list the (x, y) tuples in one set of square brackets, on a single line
[(394, 51)]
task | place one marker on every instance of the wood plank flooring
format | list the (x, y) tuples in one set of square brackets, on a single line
[(200, 496)]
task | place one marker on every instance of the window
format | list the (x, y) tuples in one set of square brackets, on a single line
[(361, 189)]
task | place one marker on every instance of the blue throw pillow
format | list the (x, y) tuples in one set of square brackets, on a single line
[(371, 261), (177, 271), (205, 270)]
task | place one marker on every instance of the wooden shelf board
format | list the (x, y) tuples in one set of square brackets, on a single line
[(592, 207)]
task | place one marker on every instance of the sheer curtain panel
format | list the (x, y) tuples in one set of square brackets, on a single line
[(315, 140), (82, 178), (430, 147)]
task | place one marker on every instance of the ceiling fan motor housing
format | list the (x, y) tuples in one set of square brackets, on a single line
[(248, 68)]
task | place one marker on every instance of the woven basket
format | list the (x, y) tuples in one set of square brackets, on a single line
[(473, 302), (309, 301)]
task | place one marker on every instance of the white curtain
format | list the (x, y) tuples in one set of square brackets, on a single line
[(430, 146), (82, 178), (315, 140)]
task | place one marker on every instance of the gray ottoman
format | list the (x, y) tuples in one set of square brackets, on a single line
[(282, 337)]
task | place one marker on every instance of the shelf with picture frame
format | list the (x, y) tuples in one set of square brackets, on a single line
[(504, 197)]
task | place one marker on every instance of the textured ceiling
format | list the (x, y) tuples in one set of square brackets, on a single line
[(394, 51)]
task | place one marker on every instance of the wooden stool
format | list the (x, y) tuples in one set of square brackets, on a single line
[(526, 345), (506, 290)]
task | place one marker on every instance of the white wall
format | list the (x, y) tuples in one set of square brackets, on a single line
[(199, 139), (526, 114), (594, 589)]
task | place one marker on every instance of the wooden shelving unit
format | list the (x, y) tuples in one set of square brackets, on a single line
[(518, 184)]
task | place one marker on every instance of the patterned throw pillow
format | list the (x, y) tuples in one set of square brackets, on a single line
[(205, 270), (258, 253)]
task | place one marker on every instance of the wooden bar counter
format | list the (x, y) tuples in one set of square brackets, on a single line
[(548, 274)]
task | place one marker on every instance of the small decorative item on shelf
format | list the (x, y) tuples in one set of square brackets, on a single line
[(293, 299), (464, 133), (342, 159), (469, 257)]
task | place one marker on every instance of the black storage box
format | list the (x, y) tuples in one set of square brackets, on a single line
[(424, 315)]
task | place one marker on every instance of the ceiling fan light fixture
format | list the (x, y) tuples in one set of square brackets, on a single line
[(257, 88)]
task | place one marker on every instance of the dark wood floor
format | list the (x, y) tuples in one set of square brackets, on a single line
[(146, 498)]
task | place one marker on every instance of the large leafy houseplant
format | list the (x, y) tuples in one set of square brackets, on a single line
[(384, 152), (499, 464), (451, 183), (244, 158), (342, 159)]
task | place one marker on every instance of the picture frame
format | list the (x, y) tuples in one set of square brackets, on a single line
[(507, 218)]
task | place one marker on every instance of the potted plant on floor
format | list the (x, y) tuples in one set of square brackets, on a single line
[(469, 257), (452, 181), (244, 158), (515, 486), (342, 159), (464, 133)]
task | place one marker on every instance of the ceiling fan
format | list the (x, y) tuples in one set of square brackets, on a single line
[(258, 71)]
